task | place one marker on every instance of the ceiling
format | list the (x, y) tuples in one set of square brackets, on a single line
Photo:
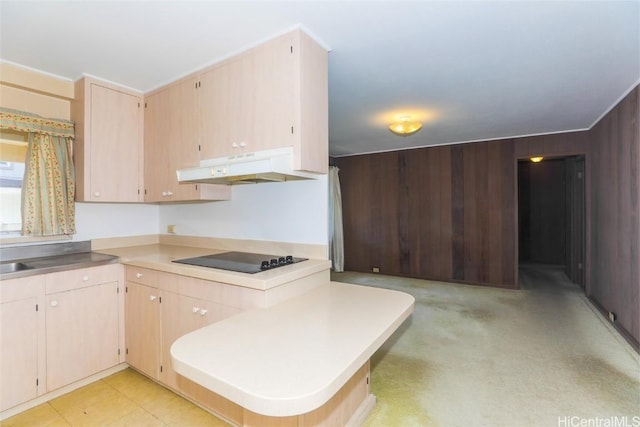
[(469, 71)]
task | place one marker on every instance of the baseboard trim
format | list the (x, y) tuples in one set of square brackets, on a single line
[(616, 327), (362, 413)]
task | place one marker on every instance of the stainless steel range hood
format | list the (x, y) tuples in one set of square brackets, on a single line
[(274, 165)]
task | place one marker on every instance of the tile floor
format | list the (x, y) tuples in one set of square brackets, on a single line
[(126, 398)]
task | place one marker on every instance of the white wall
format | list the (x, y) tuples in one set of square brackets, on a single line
[(100, 220), (293, 212), (282, 211)]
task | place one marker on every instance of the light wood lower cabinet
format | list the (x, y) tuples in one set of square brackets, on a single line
[(82, 333), (339, 411), (162, 307), (56, 329), (142, 328), (19, 351), (180, 315), (82, 323)]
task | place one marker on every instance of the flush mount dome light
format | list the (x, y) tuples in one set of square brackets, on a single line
[(405, 126), (536, 159)]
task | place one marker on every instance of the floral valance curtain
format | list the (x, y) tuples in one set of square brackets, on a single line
[(32, 123), (48, 186)]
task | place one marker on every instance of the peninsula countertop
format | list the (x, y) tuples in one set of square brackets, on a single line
[(291, 358), (161, 256)]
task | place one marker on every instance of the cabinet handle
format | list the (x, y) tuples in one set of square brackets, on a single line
[(169, 193), (203, 312), (53, 303), (85, 278), (96, 194), (243, 144), (152, 297), (234, 145), (195, 309), (138, 275), (164, 194)]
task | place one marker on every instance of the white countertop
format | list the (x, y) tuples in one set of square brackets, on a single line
[(291, 358), (160, 257)]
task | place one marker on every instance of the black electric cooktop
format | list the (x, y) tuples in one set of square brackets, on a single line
[(243, 262)]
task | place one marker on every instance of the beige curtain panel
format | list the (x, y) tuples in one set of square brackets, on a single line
[(48, 187)]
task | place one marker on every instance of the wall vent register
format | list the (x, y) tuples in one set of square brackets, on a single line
[(243, 262)]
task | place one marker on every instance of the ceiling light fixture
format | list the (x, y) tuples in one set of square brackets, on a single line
[(405, 126), (536, 159)]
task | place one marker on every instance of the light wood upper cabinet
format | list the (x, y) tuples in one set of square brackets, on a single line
[(108, 148), (226, 109), (156, 145), (274, 95), (171, 142)]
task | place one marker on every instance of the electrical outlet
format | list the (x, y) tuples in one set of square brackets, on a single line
[(612, 316), (171, 229), (376, 269)]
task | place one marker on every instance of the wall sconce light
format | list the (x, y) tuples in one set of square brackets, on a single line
[(536, 159), (405, 126)]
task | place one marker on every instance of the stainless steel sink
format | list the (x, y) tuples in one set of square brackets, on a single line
[(23, 261), (12, 267)]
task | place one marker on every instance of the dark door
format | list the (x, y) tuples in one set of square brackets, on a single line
[(551, 214), (542, 211), (575, 208)]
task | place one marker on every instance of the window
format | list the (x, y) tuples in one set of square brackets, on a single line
[(13, 151)]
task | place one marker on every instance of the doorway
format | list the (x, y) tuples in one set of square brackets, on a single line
[(551, 214)]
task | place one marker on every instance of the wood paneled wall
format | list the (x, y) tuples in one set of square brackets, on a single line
[(615, 214), (448, 213), (444, 213)]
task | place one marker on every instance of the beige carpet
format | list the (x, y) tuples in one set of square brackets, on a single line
[(474, 356)]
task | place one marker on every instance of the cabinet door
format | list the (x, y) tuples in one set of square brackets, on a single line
[(142, 326), (215, 105), (184, 136), (171, 143), (18, 352), (184, 124), (273, 81), (156, 144), (179, 316), (116, 146), (82, 333), (224, 99), (248, 103)]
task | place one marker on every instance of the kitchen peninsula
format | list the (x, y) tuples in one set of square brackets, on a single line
[(282, 347)]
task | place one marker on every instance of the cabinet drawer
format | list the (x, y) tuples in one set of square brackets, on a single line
[(21, 288), (81, 278), (144, 276)]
